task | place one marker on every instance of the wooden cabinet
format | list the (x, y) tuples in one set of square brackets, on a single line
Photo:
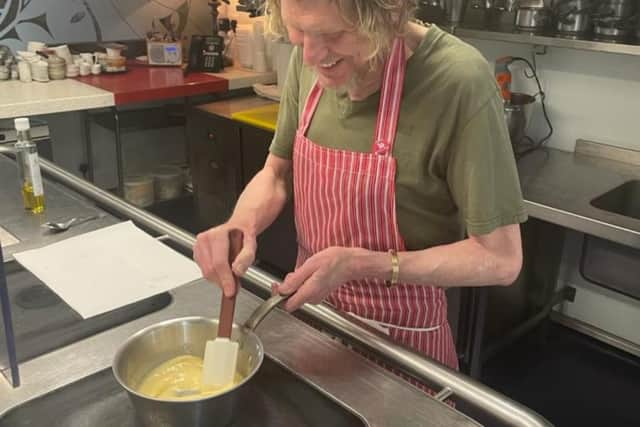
[(224, 156), (277, 246), (215, 160)]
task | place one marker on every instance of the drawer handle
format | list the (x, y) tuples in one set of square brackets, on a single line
[(214, 165), (211, 136)]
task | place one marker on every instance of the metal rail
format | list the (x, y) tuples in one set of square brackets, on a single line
[(451, 383)]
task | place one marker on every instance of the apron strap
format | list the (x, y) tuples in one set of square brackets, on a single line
[(390, 97), (309, 108)]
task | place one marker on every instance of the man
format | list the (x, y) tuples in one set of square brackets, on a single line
[(394, 136)]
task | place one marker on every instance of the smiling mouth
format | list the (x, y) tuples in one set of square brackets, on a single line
[(328, 65)]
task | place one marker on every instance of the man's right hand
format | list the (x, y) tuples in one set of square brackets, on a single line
[(211, 253)]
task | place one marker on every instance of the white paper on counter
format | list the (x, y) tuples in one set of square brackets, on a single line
[(7, 239), (108, 268)]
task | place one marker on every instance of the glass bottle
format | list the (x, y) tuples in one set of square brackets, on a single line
[(29, 167)]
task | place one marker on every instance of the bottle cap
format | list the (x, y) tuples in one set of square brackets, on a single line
[(22, 123)]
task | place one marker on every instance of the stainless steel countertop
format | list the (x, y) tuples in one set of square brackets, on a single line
[(59, 202), (558, 187), (378, 396)]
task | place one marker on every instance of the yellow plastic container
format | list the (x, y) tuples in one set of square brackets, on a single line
[(263, 117)]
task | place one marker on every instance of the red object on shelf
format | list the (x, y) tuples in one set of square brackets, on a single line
[(144, 83)]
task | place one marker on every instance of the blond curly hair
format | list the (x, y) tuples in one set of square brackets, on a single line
[(380, 21)]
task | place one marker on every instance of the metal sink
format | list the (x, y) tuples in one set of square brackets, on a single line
[(622, 200), (274, 397), (43, 322)]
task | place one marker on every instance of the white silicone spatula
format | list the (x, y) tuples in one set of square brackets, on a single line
[(221, 354)]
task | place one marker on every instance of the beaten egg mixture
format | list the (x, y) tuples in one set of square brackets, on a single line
[(180, 378)]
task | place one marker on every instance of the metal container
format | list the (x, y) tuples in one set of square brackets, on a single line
[(516, 113), (163, 341), (501, 16), (573, 17), (616, 8), (533, 19), (454, 11), (613, 29), (168, 182)]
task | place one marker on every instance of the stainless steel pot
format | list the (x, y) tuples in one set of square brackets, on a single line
[(163, 341), (516, 113), (616, 8), (532, 18), (573, 17), (613, 29)]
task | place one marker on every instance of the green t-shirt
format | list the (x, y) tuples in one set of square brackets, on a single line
[(456, 171)]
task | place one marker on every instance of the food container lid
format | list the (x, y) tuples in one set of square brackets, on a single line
[(138, 180), (166, 171)]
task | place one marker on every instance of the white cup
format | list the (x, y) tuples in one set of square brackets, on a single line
[(113, 53), (24, 69), (40, 71), (87, 58), (85, 69), (73, 70), (63, 52), (96, 69)]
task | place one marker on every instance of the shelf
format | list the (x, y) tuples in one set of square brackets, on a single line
[(542, 40), (139, 120)]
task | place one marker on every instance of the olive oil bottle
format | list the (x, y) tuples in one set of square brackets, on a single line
[(29, 167)]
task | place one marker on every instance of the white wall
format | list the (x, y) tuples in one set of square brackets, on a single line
[(590, 95)]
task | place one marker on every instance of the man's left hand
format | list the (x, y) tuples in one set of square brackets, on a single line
[(318, 277)]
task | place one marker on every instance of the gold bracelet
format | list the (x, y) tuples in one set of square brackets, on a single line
[(395, 268)]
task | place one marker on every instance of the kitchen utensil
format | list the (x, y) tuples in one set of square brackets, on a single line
[(168, 182), (158, 343), (65, 225), (454, 10), (503, 76), (573, 17), (430, 11), (221, 354), (57, 67), (613, 29), (516, 114), (138, 190), (501, 14), (532, 19)]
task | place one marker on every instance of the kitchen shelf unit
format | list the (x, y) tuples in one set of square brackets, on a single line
[(546, 40)]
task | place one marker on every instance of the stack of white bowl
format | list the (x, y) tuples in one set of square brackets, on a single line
[(243, 41), (259, 50), (39, 69), (63, 52)]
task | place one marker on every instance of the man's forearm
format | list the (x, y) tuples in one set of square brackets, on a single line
[(470, 262), (261, 201)]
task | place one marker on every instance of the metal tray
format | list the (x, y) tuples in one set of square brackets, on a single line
[(43, 322)]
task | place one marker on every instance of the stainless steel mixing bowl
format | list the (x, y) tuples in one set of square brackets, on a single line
[(163, 341)]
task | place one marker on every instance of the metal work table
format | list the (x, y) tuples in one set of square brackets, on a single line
[(558, 187), (373, 395), (60, 204)]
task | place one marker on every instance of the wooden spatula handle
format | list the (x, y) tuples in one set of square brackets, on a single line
[(228, 304)]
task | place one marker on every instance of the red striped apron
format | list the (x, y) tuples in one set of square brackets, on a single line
[(345, 198)]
